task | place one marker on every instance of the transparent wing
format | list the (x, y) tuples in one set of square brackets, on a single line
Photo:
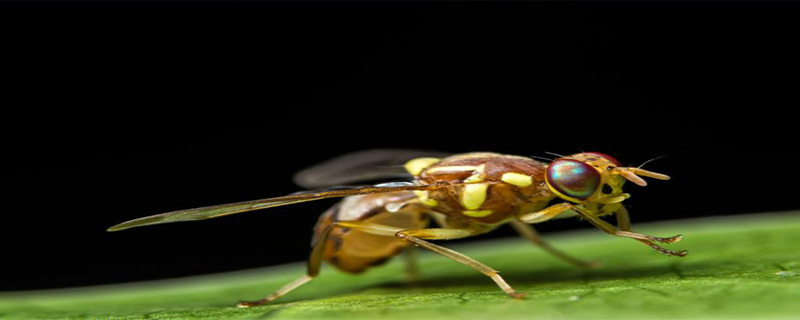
[(231, 208), (360, 166)]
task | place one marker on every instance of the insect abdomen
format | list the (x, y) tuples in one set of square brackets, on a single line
[(354, 251)]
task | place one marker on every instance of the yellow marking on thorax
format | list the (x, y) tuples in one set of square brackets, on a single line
[(473, 195), (517, 179), (415, 166), (477, 214), (477, 176), (423, 197), (452, 168), (474, 178)]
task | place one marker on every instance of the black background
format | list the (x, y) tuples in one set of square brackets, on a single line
[(114, 111)]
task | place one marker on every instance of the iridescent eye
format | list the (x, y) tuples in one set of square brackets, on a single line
[(572, 178), (607, 157)]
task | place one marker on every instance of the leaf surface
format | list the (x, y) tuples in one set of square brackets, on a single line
[(740, 267)]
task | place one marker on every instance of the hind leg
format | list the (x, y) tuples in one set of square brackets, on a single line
[(313, 267)]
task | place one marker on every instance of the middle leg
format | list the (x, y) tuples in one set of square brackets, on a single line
[(416, 236), (530, 233)]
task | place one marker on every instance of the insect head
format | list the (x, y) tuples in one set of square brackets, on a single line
[(593, 177)]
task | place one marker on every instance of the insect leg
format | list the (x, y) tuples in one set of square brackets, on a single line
[(412, 269), (282, 291), (530, 233), (623, 219), (313, 267), (416, 236), (545, 214), (648, 240), (624, 224)]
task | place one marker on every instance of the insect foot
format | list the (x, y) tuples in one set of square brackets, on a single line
[(681, 253), (250, 304), (670, 253), (672, 239)]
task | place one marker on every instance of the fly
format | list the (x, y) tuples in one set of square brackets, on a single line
[(465, 195)]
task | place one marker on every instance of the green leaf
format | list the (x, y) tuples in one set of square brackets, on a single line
[(738, 267)]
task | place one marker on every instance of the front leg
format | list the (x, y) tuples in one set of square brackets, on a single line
[(625, 229), (648, 240), (546, 213), (554, 210), (624, 224)]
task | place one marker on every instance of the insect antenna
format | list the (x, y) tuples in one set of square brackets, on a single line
[(541, 158), (555, 154), (648, 161)]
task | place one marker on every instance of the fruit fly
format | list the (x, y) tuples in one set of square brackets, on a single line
[(465, 195)]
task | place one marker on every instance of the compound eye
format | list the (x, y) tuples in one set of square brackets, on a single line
[(572, 178), (607, 157)]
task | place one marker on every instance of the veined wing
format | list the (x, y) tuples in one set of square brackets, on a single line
[(360, 166), (231, 208)]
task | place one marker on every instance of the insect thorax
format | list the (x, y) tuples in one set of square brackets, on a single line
[(484, 187)]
